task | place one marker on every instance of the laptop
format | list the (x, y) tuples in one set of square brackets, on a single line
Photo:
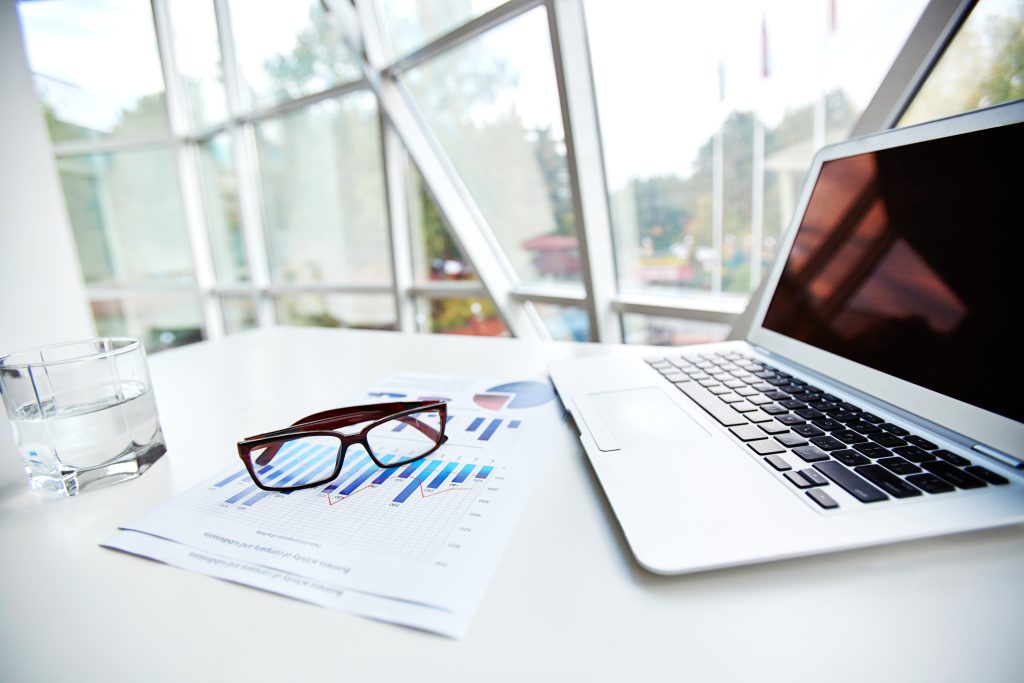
[(879, 393)]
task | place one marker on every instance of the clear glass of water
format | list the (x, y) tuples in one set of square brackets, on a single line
[(83, 413)]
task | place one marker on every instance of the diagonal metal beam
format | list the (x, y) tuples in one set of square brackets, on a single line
[(452, 198)]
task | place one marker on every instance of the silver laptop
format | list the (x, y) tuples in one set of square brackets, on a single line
[(879, 394)]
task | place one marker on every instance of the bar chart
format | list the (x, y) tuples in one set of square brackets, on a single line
[(298, 465)]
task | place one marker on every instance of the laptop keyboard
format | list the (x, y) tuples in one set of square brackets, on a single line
[(816, 439)]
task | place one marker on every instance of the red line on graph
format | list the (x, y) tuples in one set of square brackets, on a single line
[(369, 486)]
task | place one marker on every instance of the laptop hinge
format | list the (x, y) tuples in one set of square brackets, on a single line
[(1004, 458)]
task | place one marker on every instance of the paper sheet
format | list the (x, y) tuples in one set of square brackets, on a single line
[(413, 546)]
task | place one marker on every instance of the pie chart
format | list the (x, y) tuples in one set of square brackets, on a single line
[(515, 395)]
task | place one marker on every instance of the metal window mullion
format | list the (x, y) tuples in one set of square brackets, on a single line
[(585, 159), (187, 166), (468, 228), (109, 146), (935, 29), (394, 164), (717, 204), (243, 147), (461, 34), (712, 310), (757, 203)]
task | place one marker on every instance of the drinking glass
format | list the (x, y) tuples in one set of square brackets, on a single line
[(83, 413)]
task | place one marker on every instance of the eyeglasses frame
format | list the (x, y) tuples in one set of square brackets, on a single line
[(342, 417)]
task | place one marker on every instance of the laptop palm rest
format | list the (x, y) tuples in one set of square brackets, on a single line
[(634, 418)]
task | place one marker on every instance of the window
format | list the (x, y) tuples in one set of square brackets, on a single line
[(983, 66), (228, 164)]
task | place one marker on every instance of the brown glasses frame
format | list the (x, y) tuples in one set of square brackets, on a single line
[(324, 423)]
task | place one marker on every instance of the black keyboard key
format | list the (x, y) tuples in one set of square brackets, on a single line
[(899, 465), (952, 458), (766, 447), (887, 440), (893, 429), (778, 463), (872, 450), (790, 419), (921, 442), (820, 405), (792, 404), (849, 436), (913, 453), (828, 443), (988, 475), (805, 396), (862, 427), (807, 430), (849, 407), (831, 398), (814, 476), (888, 482), (930, 483), (821, 498), (871, 417), (808, 413), (813, 389), (710, 403), (850, 482), (797, 479), (845, 417), (777, 381), (791, 440), (850, 458), (748, 433), (954, 475), (827, 423), (777, 395), (833, 409), (791, 388), (810, 454), (774, 409)]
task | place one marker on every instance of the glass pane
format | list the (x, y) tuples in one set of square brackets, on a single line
[(288, 49), (412, 23), (564, 323), (220, 201), (665, 331), (493, 104), (367, 311), (324, 207), (435, 254), (159, 320), (126, 216), (983, 66), (96, 68), (197, 56), (458, 315), (704, 178), (239, 314)]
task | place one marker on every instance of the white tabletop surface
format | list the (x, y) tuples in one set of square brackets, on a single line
[(565, 599)]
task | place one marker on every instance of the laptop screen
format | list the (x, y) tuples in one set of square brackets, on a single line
[(910, 260)]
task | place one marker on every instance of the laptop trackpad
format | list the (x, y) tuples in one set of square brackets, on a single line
[(633, 418)]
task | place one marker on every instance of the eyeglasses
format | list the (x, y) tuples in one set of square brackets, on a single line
[(311, 452)]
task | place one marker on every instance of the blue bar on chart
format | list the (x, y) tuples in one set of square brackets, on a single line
[(463, 473), (415, 482), (286, 454), (279, 478), (355, 466), (327, 461), (484, 471), (410, 469), (230, 479), (514, 424), (491, 428), (385, 475), (439, 479), (475, 424), (400, 426), (281, 466), (358, 481)]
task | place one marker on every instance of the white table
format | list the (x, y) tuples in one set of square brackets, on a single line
[(566, 598)]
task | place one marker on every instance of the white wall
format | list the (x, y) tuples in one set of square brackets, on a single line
[(42, 297)]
